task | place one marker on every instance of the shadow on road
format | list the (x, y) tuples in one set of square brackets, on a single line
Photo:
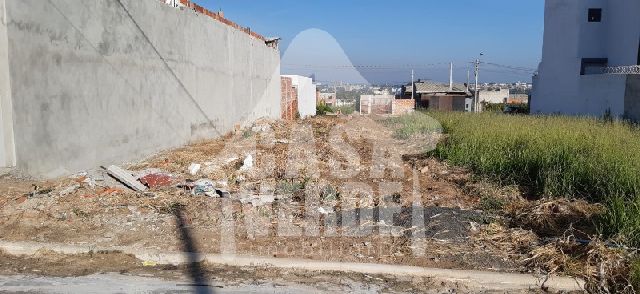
[(194, 268)]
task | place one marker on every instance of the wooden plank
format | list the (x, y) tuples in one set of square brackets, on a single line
[(126, 178)]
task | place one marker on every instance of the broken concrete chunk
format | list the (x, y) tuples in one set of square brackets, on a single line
[(325, 211), (248, 163), (194, 168), (156, 180), (126, 178)]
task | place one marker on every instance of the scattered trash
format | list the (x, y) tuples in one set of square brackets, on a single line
[(149, 263), (126, 177), (248, 163), (258, 200), (259, 129), (207, 187), (70, 190), (204, 187), (424, 170), (157, 180), (194, 168), (282, 141), (223, 193), (39, 192)]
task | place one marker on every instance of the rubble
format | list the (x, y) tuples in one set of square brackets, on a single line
[(325, 211), (126, 178), (258, 200), (194, 168), (156, 180), (207, 187), (69, 190), (247, 163)]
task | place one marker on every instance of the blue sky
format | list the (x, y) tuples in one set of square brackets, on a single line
[(417, 32)]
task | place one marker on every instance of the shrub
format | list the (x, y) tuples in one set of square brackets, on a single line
[(323, 109)]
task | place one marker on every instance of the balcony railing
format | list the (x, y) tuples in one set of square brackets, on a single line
[(622, 70)]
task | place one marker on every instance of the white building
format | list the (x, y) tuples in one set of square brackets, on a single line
[(583, 43), (306, 95), (493, 96)]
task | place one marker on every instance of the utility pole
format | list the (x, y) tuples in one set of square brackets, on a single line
[(413, 86), (468, 75), (451, 77), (477, 71)]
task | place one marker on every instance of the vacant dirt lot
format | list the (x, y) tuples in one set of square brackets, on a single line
[(327, 188)]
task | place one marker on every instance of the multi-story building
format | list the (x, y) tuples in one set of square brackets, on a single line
[(590, 47)]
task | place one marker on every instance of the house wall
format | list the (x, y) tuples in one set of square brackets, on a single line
[(492, 96), (632, 98), (569, 37), (289, 102), (446, 102), (306, 95), (97, 82)]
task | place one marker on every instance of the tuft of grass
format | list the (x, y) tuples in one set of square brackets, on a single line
[(553, 156), (346, 109), (489, 203), (247, 134), (407, 126), (634, 274)]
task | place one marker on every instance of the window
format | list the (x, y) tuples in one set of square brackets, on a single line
[(593, 66), (595, 14)]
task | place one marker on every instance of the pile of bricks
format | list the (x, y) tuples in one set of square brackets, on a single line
[(289, 102), (218, 17)]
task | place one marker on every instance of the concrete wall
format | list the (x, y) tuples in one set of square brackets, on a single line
[(376, 104), (107, 81), (7, 144), (306, 95)]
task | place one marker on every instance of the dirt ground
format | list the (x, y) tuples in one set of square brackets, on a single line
[(326, 188)]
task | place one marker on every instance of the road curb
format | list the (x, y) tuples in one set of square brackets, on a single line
[(479, 279)]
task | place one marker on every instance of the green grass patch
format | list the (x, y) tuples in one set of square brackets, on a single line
[(417, 123), (551, 155), (635, 274)]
